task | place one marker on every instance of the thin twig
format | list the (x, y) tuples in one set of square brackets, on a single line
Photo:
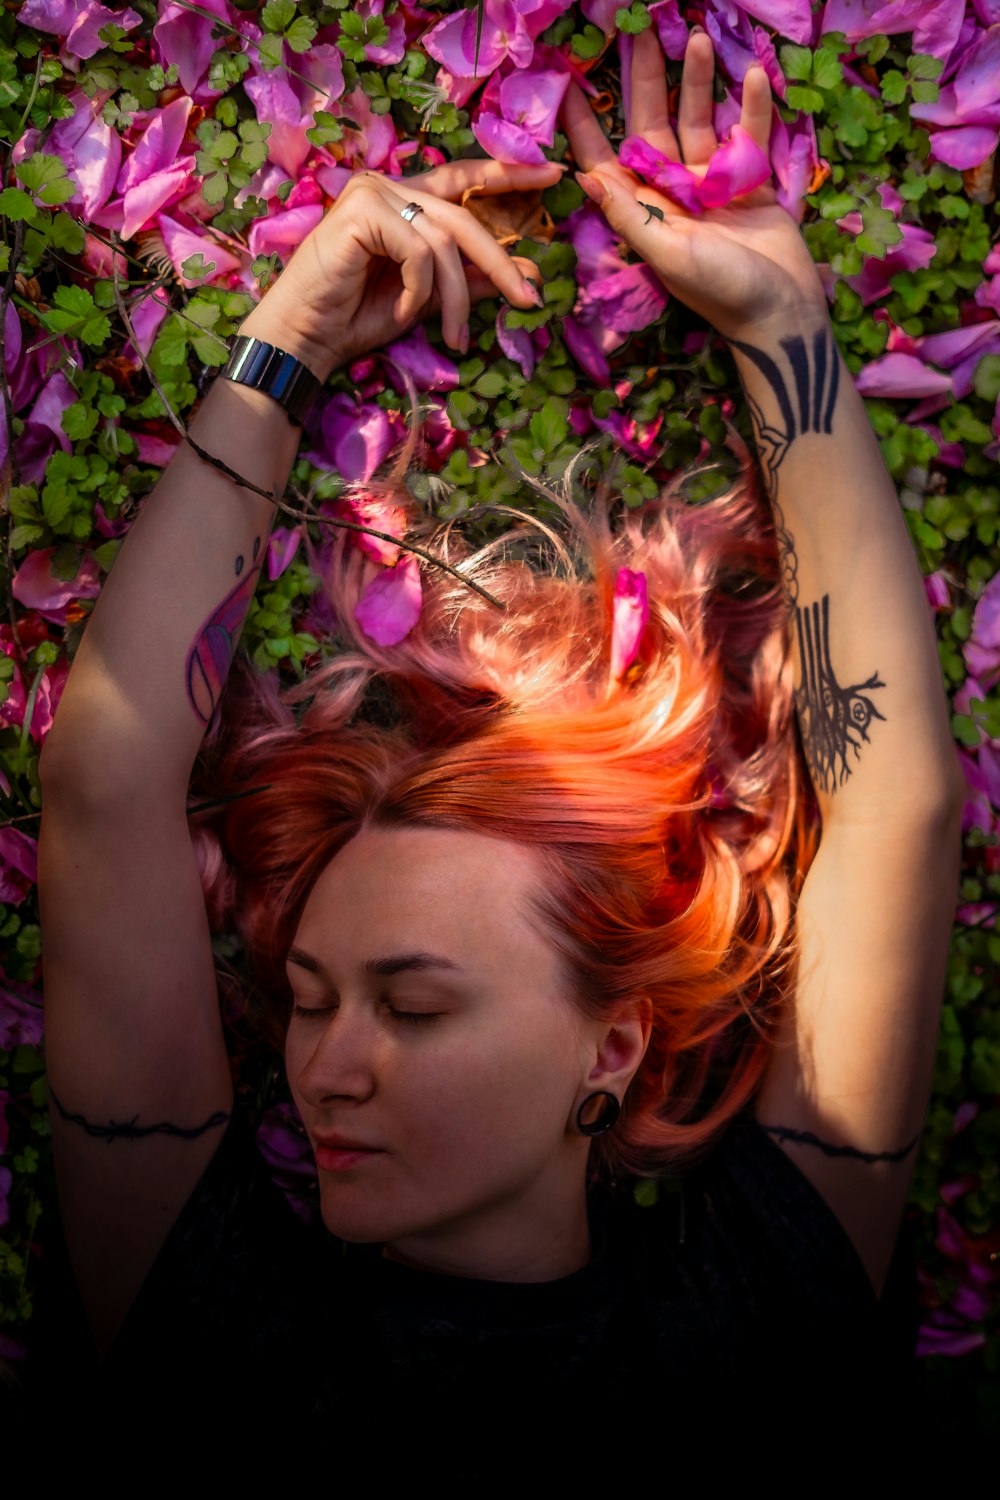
[(280, 504)]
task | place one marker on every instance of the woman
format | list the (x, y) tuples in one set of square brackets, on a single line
[(517, 947)]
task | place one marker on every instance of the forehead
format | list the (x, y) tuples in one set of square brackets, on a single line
[(466, 892)]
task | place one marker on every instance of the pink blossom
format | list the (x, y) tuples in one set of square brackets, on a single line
[(736, 166), (899, 375), (368, 510), (77, 22), (37, 587), (937, 591), (18, 865), (982, 649), (181, 243), (154, 175), (353, 439), (183, 37), (630, 614), (20, 1014), (430, 369), (390, 605), (90, 150), (967, 109), (282, 546), (284, 1145)]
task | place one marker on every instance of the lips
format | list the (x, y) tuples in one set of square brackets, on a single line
[(343, 1143)]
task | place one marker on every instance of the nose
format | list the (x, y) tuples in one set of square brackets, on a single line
[(340, 1061)]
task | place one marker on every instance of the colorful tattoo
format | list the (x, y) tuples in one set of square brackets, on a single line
[(211, 656)]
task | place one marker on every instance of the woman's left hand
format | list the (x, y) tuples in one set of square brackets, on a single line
[(738, 266)]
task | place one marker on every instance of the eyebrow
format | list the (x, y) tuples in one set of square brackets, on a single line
[(391, 963)]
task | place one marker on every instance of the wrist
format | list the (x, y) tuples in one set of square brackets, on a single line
[(798, 316), (271, 326)]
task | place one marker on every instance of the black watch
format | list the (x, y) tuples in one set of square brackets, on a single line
[(262, 367)]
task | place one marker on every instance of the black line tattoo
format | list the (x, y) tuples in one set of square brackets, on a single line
[(833, 719), (816, 406), (785, 1132), (128, 1130)]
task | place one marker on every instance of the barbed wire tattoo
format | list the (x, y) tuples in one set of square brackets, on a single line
[(785, 1132), (129, 1130)]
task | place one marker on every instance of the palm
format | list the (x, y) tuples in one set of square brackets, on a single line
[(730, 264)]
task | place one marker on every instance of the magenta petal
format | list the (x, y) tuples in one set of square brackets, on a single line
[(281, 549), (506, 142), (631, 611), (964, 148), (738, 166), (390, 605)]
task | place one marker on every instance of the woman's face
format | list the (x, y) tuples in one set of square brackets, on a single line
[(432, 1022)]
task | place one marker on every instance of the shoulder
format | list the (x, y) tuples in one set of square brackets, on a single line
[(743, 1222)]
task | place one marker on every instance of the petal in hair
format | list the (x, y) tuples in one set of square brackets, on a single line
[(631, 611), (390, 606)]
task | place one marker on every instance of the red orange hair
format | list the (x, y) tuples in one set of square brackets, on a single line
[(671, 810)]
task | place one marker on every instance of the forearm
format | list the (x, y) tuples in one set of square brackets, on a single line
[(869, 693), (158, 646)]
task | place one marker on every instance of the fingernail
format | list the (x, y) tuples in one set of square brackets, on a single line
[(696, 29), (533, 292), (592, 186), (463, 338)]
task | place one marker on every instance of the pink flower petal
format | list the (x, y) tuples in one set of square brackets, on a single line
[(630, 614), (390, 605)]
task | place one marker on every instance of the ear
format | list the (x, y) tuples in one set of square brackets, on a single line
[(622, 1047)]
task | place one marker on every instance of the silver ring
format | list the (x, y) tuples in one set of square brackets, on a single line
[(409, 213)]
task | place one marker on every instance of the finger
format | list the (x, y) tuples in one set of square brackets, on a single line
[(757, 108), (649, 111), (472, 238), (591, 147), (453, 178), (695, 125), (664, 244), (392, 236), (450, 285)]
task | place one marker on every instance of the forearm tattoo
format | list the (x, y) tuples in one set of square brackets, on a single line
[(212, 654), (129, 1130), (833, 719), (785, 1132)]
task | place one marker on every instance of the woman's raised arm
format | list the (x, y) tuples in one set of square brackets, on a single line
[(846, 1091), (138, 1074)]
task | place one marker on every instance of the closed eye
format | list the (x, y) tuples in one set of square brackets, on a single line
[(411, 1016)]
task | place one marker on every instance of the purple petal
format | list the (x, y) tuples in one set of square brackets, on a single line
[(516, 343), (281, 549), (431, 370), (390, 605), (897, 375)]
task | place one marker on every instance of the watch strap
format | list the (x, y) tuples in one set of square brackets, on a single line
[(263, 367)]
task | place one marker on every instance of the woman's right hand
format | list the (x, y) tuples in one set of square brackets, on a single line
[(365, 275)]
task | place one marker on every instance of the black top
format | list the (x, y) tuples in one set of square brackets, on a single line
[(735, 1305)]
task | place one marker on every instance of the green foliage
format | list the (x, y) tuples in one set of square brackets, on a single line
[(505, 423)]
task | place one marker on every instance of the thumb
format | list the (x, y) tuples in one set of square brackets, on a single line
[(659, 239)]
